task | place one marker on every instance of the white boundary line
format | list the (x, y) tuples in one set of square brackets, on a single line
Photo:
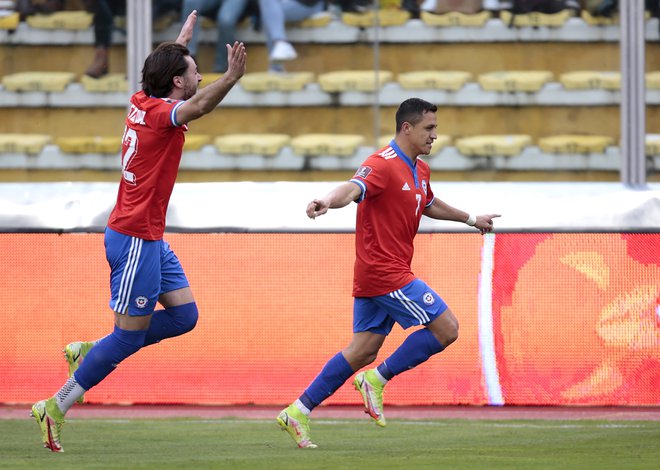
[(485, 312)]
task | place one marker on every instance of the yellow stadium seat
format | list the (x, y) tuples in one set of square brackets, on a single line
[(327, 144), (487, 145), (86, 144), (526, 81), (108, 83), (389, 17), (455, 18), (253, 144), (196, 141), (653, 80), (535, 18), (319, 20), (441, 142), (23, 143), (38, 81), (10, 21), (434, 79), (75, 20), (353, 80), (652, 144), (569, 143), (581, 80), (265, 81), (611, 80), (598, 20), (209, 78)]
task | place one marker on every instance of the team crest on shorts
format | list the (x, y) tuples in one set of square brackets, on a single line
[(141, 301), (428, 298)]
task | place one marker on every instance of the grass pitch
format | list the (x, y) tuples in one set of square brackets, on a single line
[(351, 444)]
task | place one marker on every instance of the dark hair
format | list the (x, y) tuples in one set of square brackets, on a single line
[(163, 64), (412, 110)]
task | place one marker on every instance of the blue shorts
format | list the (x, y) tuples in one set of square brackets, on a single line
[(140, 271), (412, 305)]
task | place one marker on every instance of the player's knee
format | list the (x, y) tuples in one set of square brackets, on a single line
[(189, 314), (451, 335)]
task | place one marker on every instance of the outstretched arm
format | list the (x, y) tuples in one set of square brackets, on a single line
[(208, 98), (443, 211), (341, 196), (187, 29)]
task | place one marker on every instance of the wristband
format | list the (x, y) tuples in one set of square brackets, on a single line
[(471, 220)]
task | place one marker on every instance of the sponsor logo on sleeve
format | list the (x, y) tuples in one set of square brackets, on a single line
[(363, 172)]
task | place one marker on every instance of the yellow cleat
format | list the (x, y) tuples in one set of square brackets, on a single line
[(50, 419), (371, 390), (293, 421)]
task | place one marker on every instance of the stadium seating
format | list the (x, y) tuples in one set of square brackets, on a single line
[(536, 19), (489, 145), (434, 79), (257, 144), (544, 77), (527, 80), (30, 144), (454, 18), (572, 143)]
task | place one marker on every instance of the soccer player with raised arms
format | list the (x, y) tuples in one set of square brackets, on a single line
[(393, 191), (144, 269)]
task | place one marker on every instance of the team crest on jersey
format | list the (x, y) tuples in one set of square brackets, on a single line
[(424, 186), (141, 301), (428, 298), (363, 172)]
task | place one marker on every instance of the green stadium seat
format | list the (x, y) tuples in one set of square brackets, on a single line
[(326, 144), (572, 143), (31, 144), (524, 81), (488, 145), (434, 79), (252, 144), (353, 80)]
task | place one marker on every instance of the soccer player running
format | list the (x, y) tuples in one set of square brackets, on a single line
[(393, 190), (144, 269)]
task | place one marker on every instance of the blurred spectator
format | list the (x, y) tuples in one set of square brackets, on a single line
[(274, 16), (33, 7), (227, 15), (104, 21)]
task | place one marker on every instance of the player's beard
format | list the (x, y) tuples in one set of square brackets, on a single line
[(190, 90)]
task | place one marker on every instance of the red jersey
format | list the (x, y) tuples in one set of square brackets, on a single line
[(395, 192), (151, 152)]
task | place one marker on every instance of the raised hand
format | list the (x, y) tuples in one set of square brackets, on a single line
[(187, 29)]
